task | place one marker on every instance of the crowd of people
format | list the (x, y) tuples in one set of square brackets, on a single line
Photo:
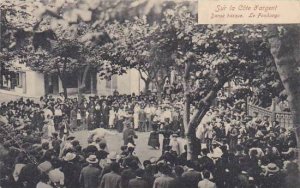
[(236, 150)]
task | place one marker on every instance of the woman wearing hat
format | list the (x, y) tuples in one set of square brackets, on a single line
[(153, 140), (50, 124), (136, 112), (166, 132)]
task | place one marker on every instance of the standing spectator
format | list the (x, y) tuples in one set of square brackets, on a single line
[(175, 146), (56, 176), (44, 182), (112, 179), (204, 162), (105, 114), (138, 181), (98, 114), (89, 174), (71, 170), (166, 132), (165, 180), (178, 181), (73, 119), (273, 176), (191, 177), (129, 135), (206, 183), (79, 118), (142, 119), (91, 121), (209, 135), (154, 137), (112, 117), (233, 137), (128, 172)]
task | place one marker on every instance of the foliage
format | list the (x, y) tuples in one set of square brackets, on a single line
[(217, 53)]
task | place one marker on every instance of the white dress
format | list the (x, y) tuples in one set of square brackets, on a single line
[(51, 128), (111, 118), (136, 120)]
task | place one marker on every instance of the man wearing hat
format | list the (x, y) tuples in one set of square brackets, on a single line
[(273, 176), (71, 169), (111, 158), (89, 174), (105, 114)]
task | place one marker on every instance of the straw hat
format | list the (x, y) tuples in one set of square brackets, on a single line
[(272, 167), (112, 155), (69, 156), (45, 166), (92, 159)]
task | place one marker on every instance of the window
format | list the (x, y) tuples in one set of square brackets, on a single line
[(19, 79), (112, 83), (71, 80)]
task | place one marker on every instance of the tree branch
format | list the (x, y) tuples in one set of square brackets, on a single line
[(141, 75)]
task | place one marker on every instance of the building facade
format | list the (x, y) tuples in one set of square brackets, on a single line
[(22, 81)]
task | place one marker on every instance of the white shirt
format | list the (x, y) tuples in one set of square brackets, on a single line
[(152, 110), (206, 184), (168, 114), (147, 110), (57, 176), (78, 115), (16, 173), (57, 112), (43, 185), (48, 112)]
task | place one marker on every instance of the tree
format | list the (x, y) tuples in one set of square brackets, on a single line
[(136, 45), (210, 56), (60, 15), (285, 48), (77, 29)]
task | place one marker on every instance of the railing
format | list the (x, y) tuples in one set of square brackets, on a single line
[(284, 118)]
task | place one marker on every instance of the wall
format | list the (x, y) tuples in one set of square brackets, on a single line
[(35, 85), (126, 84)]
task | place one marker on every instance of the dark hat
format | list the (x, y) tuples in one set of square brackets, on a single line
[(70, 137), (55, 134)]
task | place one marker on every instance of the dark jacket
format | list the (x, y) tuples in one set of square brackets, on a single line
[(89, 176), (111, 180), (191, 178), (138, 183)]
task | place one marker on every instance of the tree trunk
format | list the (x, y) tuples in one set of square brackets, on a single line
[(187, 100), (285, 50), (194, 144), (64, 89), (63, 83), (82, 85), (159, 89), (147, 84)]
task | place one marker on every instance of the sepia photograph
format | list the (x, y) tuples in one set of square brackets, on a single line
[(149, 94)]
